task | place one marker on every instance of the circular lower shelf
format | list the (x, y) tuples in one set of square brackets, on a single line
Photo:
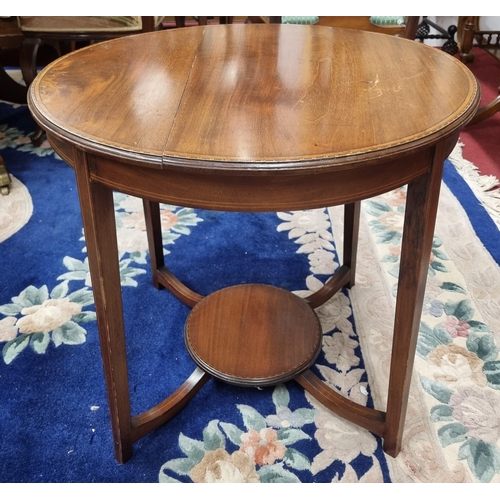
[(253, 335)]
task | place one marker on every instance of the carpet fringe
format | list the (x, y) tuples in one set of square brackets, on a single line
[(485, 187)]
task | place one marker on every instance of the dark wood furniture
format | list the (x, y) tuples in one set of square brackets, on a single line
[(255, 117), (10, 90), (365, 23), (469, 31), (67, 33), (180, 21), (424, 33)]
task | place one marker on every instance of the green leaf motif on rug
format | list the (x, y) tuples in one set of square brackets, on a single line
[(40, 342), (430, 338), (453, 287), (492, 371), (70, 333), (441, 413), (12, 348), (192, 448), (252, 418), (277, 474), (296, 460), (181, 466), (436, 389), (462, 310), (232, 432), (452, 433), (482, 345), (483, 458), (213, 437), (291, 436)]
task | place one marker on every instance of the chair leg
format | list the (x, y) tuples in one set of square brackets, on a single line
[(180, 21), (27, 61), (467, 40), (4, 178)]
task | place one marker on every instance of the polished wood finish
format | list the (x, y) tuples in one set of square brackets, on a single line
[(255, 117), (218, 71), (164, 411), (368, 418), (253, 335)]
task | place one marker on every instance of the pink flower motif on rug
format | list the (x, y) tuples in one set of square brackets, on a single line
[(262, 446)]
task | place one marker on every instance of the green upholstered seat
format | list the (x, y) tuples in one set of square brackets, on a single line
[(387, 20), (299, 19)]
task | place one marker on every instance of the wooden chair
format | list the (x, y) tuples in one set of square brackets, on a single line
[(10, 90), (180, 21), (405, 26), (469, 32), (65, 33)]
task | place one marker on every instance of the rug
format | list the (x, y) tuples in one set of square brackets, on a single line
[(54, 420)]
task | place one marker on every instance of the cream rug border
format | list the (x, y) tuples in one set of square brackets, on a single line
[(422, 458), (16, 209)]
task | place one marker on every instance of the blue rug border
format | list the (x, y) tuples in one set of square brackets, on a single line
[(484, 226)]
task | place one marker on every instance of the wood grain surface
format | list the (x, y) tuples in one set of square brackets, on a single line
[(253, 335), (253, 93)]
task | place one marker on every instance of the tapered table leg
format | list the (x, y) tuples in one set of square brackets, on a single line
[(351, 231), (420, 215), (155, 242), (98, 214)]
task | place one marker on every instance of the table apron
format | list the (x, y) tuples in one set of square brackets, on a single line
[(260, 191)]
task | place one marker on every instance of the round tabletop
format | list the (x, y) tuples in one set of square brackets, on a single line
[(253, 96)]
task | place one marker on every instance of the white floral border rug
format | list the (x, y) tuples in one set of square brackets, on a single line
[(452, 431)]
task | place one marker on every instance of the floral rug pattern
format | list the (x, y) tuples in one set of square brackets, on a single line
[(457, 354)]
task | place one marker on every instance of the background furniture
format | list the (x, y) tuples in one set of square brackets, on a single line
[(423, 33), (470, 32), (180, 21), (10, 39), (405, 26), (66, 33)]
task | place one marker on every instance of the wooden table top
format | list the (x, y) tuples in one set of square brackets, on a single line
[(253, 96)]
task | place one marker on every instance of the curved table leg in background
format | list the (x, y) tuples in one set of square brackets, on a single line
[(351, 230), (345, 274), (162, 277)]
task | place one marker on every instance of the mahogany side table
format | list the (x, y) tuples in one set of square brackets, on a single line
[(255, 118)]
